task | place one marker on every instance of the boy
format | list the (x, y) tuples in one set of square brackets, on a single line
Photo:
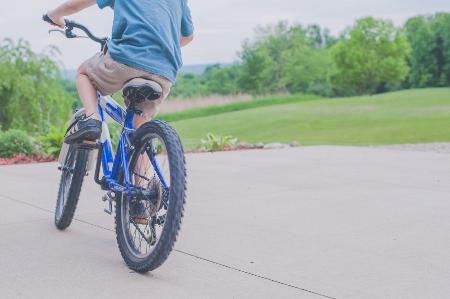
[(146, 39)]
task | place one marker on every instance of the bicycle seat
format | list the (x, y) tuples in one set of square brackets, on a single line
[(139, 90)]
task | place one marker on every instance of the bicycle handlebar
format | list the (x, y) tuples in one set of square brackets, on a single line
[(70, 25)]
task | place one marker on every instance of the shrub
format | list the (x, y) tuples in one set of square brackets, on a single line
[(14, 142), (115, 130), (52, 142), (31, 95), (213, 143)]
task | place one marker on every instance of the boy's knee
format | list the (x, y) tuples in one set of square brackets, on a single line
[(81, 74), (81, 70)]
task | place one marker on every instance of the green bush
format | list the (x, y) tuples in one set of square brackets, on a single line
[(214, 143), (115, 130), (14, 142), (31, 94), (52, 142)]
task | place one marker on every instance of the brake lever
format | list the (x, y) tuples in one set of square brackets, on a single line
[(57, 30), (67, 34), (70, 34)]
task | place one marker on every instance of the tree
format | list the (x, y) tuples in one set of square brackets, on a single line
[(430, 57), (422, 62), (257, 70), (320, 38), (442, 51), (71, 88), (306, 63), (284, 58), (221, 80), (31, 96), (371, 53), (262, 59), (189, 85)]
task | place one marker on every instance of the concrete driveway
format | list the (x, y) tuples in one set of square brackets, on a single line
[(313, 222)]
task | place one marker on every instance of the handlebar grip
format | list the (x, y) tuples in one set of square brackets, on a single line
[(70, 25), (47, 19), (73, 24)]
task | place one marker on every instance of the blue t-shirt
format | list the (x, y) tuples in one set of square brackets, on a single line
[(146, 34)]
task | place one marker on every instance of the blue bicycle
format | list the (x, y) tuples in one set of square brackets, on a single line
[(147, 172)]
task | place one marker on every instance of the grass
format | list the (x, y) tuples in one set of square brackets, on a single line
[(412, 116), (237, 106)]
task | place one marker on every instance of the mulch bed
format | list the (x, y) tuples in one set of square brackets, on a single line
[(22, 159)]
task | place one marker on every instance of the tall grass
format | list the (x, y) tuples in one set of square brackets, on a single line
[(232, 107)]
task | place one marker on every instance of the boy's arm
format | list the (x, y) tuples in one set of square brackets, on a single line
[(185, 40), (187, 27), (68, 8)]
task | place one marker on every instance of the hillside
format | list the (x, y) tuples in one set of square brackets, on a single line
[(412, 116)]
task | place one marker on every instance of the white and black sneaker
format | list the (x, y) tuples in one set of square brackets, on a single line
[(86, 128)]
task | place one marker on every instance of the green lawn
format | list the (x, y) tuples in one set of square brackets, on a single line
[(237, 106), (412, 116)]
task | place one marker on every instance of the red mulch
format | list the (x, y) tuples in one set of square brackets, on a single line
[(22, 159)]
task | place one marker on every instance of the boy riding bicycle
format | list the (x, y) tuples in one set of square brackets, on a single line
[(144, 52), (143, 57)]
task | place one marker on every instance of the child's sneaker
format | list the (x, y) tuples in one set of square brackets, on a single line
[(85, 129)]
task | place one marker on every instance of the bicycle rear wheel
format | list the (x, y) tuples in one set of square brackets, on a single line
[(157, 168), (72, 175)]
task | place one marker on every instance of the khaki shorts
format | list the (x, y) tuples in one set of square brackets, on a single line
[(109, 76)]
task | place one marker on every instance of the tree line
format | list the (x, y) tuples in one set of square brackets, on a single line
[(370, 57)]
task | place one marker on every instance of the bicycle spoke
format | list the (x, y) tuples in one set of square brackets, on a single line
[(141, 233), (141, 176), (146, 216)]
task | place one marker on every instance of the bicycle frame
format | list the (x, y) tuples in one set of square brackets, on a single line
[(113, 166)]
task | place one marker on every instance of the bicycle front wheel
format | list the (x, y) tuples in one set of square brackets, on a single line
[(72, 175), (147, 223)]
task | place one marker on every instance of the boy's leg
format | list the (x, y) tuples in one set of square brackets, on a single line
[(141, 211), (149, 109), (104, 74), (138, 121), (89, 128), (86, 91)]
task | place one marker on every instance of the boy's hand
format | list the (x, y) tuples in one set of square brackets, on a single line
[(185, 40), (58, 20), (66, 9)]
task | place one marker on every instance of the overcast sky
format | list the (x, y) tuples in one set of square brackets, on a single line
[(221, 26)]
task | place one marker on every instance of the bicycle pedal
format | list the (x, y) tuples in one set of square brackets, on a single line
[(108, 198), (88, 145), (89, 142), (108, 210)]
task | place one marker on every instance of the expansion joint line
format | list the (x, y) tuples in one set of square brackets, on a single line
[(181, 252)]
